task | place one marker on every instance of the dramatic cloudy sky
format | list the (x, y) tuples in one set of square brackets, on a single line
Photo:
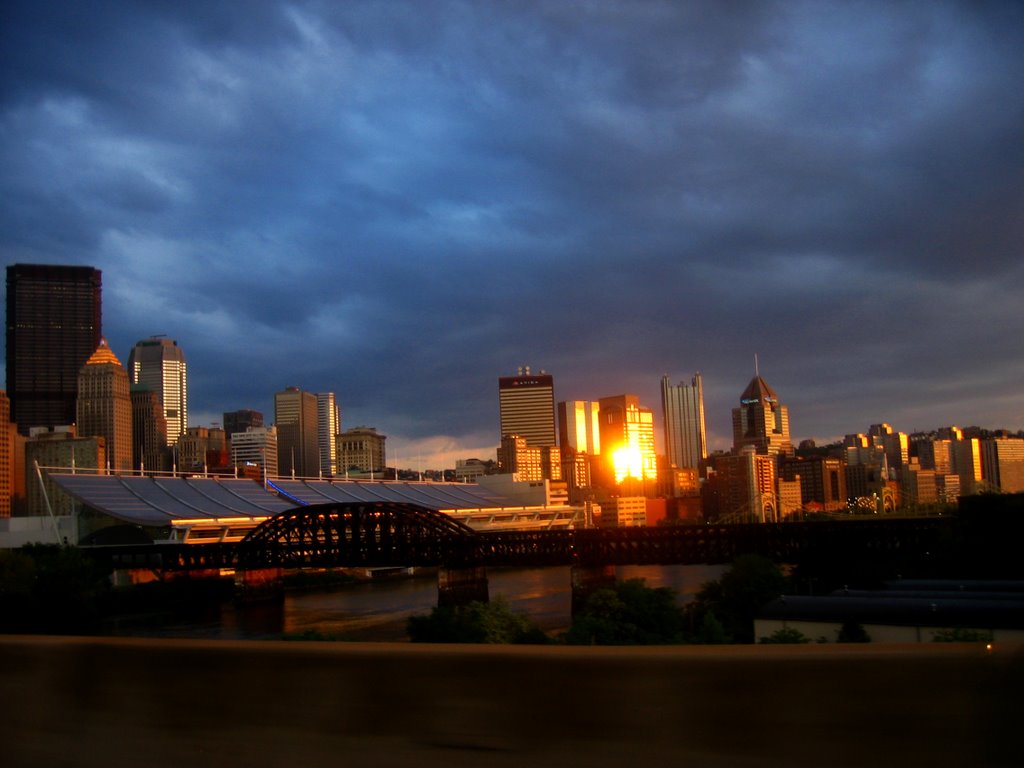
[(401, 202)]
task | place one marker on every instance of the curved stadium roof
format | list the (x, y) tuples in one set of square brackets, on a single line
[(158, 501)]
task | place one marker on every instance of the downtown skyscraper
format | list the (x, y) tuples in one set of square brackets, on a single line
[(149, 430), (761, 421), (104, 407), (328, 427), (54, 324), (295, 416), (579, 438), (526, 403), (159, 363), (686, 441), (627, 440)]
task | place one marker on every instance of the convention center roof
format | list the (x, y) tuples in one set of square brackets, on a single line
[(159, 501)]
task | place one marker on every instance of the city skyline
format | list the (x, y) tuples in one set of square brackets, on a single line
[(526, 406), (401, 206)]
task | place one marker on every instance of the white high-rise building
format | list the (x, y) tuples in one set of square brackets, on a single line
[(686, 441), (328, 427), (159, 363), (255, 448)]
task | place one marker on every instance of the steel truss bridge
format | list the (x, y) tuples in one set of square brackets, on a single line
[(396, 534)]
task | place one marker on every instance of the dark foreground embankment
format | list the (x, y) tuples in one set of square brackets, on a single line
[(154, 703)]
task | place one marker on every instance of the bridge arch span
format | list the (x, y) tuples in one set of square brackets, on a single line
[(359, 534)]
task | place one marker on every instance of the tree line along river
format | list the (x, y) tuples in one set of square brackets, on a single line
[(378, 610)]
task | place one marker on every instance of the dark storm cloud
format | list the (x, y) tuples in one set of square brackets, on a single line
[(403, 201)]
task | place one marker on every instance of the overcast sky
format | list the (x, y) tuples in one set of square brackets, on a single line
[(401, 202)]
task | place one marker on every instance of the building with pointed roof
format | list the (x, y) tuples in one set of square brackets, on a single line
[(761, 421), (104, 406)]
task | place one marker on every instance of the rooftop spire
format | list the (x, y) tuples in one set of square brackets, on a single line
[(103, 354)]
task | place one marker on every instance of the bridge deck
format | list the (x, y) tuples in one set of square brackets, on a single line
[(320, 537)]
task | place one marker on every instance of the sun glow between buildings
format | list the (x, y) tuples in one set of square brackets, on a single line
[(627, 462)]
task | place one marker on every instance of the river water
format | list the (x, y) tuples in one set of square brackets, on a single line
[(378, 610)]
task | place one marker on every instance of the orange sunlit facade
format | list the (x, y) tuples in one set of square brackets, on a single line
[(627, 439)]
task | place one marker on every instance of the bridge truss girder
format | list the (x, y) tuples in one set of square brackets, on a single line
[(361, 534), (393, 534)]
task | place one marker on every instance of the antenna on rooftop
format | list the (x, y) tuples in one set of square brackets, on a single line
[(756, 371)]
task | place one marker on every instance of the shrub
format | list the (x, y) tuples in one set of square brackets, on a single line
[(852, 632), (493, 622), (962, 635), (785, 636)]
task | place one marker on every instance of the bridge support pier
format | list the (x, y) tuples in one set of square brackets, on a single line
[(253, 586), (588, 579), (461, 586)]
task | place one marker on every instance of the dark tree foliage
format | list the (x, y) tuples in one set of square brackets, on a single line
[(710, 631), (493, 622), (50, 589), (734, 600), (852, 632), (630, 613)]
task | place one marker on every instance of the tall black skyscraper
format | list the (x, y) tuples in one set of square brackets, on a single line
[(54, 324)]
